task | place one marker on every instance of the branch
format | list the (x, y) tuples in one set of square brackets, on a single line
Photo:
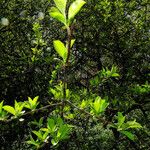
[(45, 108)]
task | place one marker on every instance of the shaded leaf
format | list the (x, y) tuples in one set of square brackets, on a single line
[(128, 134)]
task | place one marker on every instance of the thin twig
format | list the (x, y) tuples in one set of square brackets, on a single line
[(31, 112)]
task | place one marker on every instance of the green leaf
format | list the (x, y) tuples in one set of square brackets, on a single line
[(128, 134), (30, 100), (54, 142), (35, 99), (38, 134), (51, 125), (121, 119), (44, 129), (99, 105), (63, 132), (59, 121), (61, 49), (61, 5), (9, 109), (18, 107), (1, 106), (72, 42), (32, 104), (55, 13), (83, 104), (33, 143), (115, 75), (67, 93), (74, 9), (133, 124)]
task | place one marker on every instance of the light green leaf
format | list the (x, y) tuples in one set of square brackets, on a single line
[(38, 134), (61, 5), (72, 42), (1, 106), (74, 9), (44, 129), (61, 49), (99, 105), (35, 99), (54, 142), (63, 132), (9, 109), (55, 13), (67, 93), (133, 124), (128, 134), (83, 104), (45, 136), (30, 100), (115, 75), (16, 105), (121, 119), (33, 143), (51, 125)]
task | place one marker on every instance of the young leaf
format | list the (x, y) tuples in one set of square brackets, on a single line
[(51, 125), (33, 143), (115, 75), (121, 119), (133, 124), (128, 134), (38, 134), (54, 142), (9, 109), (74, 9), (63, 132), (1, 106), (61, 5), (72, 42), (99, 105), (61, 49), (55, 13), (35, 99), (84, 104), (59, 121)]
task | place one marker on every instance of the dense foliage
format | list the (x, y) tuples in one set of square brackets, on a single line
[(89, 68)]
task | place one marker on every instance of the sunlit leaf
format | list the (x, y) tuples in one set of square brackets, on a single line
[(61, 5), (51, 125), (133, 124), (55, 13), (75, 8), (38, 134), (54, 142), (63, 132), (99, 105), (61, 49), (9, 109), (121, 119), (1, 106), (35, 99)]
